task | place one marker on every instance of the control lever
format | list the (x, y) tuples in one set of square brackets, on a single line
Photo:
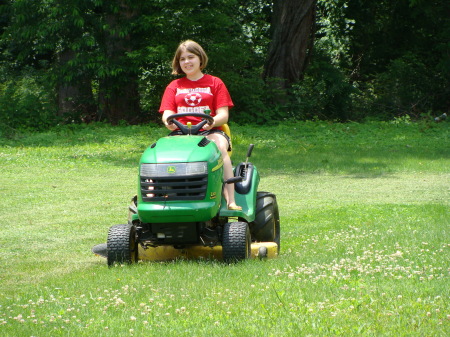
[(233, 180), (249, 153)]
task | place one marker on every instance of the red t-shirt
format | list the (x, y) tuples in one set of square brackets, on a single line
[(183, 95)]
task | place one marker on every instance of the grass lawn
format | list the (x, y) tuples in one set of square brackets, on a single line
[(365, 244)]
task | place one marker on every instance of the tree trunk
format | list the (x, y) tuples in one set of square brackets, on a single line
[(75, 98), (120, 101), (118, 92), (292, 40)]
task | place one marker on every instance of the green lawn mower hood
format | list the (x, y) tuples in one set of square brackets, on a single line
[(180, 180)]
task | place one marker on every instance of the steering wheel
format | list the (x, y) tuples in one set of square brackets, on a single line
[(194, 130)]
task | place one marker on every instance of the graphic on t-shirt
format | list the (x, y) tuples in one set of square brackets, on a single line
[(189, 99), (206, 90), (193, 99)]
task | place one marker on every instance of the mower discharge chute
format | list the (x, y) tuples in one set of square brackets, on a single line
[(180, 211)]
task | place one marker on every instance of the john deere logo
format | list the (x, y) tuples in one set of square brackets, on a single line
[(171, 169)]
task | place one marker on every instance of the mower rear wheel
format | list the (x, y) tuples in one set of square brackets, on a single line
[(236, 242), (121, 245), (266, 227)]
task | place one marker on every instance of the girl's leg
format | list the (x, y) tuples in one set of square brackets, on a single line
[(222, 144)]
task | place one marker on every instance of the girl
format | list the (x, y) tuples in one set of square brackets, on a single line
[(197, 92)]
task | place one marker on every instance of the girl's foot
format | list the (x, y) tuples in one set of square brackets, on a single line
[(234, 207)]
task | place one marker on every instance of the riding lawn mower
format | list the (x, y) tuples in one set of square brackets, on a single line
[(180, 211)]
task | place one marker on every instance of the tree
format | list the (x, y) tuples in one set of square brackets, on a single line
[(292, 40), (377, 59), (118, 86), (52, 37), (400, 52), (109, 60)]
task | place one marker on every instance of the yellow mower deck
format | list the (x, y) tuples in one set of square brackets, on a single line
[(164, 253), (167, 253)]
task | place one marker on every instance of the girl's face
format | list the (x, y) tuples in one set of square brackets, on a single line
[(190, 64)]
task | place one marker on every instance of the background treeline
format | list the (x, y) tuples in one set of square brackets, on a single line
[(65, 61)]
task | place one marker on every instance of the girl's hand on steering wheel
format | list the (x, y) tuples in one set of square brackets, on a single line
[(209, 126), (171, 126)]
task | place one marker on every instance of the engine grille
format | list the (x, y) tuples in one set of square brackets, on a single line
[(174, 188)]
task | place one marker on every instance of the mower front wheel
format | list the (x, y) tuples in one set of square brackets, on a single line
[(121, 245), (236, 242)]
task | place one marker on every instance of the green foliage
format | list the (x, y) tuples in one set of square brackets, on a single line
[(367, 65), (333, 31), (325, 92), (26, 104), (99, 49), (375, 60), (405, 87)]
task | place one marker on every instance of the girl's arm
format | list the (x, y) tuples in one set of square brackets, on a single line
[(166, 114), (220, 118)]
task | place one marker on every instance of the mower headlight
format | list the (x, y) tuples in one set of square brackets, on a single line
[(175, 169), (196, 168)]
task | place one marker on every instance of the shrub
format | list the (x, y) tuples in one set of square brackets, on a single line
[(26, 104), (406, 87), (325, 92)]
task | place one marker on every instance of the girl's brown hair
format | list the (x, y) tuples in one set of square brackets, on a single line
[(192, 47)]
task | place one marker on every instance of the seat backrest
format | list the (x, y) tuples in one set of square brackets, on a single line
[(226, 129)]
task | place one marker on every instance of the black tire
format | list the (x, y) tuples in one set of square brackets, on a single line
[(266, 227), (236, 242), (122, 246)]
